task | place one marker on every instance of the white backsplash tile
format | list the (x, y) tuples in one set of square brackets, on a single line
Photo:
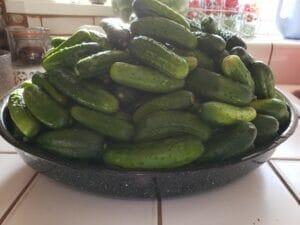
[(34, 21), (65, 25), (260, 50)]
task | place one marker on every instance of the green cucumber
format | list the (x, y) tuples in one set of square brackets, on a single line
[(72, 143), (100, 63), (143, 78), (69, 56), (264, 81), (56, 41), (117, 32), (144, 8), (107, 125), (164, 154), (210, 43), (164, 124), (40, 80), (44, 108), (267, 126), (192, 62), (234, 68), (273, 107), (243, 54), (85, 93), (229, 142), (232, 39), (159, 57), (101, 39), (218, 113), (175, 100), (204, 83), (209, 25), (164, 30), (20, 114)]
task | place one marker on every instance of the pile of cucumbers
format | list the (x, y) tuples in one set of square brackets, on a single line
[(159, 93)]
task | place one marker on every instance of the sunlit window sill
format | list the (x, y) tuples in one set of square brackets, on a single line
[(47, 7)]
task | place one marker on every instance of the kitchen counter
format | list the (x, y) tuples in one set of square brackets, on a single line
[(269, 195)]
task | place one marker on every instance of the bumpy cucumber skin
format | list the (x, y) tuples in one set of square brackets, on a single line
[(72, 143), (117, 32), (100, 63), (164, 154), (145, 8), (229, 142), (232, 39), (21, 116), (40, 80), (85, 93), (218, 113), (44, 108), (56, 41), (264, 81), (273, 107), (210, 43), (108, 125), (267, 126), (176, 100), (243, 54), (204, 83), (143, 78), (68, 56), (77, 38), (165, 30), (101, 39), (158, 56), (234, 68), (163, 124)]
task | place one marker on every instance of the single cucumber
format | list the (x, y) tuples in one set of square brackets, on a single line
[(144, 8), (164, 154), (78, 37), (69, 56), (209, 25), (243, 54), (163, 124), (264, 81), (56, 41), (117, 32), (44, 108), (86, 93), (229, 142), (192, 62), (204, 83), (175, 100), (100, 63), (232, 39), (108, 125), (267, 126), (218, 59), (158, 56), (20, 114), (164, 30), (210, 43), (273, 107), (218, 113), (40, 80), (143, 78), (72, 143), (101, 39), (234, 68)]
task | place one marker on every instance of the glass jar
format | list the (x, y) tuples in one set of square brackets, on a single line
[(28, 45)]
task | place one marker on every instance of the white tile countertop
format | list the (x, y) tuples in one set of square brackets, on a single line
[(269, 195)]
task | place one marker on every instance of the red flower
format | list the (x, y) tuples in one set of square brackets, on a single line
[(232, 6), (194, 4)]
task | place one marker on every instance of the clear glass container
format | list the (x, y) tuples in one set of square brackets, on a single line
[(28, 45)]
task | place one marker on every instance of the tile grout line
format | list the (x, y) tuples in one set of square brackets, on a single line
[(8, 153), (284, 182), (271, 54), (285, 159), (16, 200), (159, 210)]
